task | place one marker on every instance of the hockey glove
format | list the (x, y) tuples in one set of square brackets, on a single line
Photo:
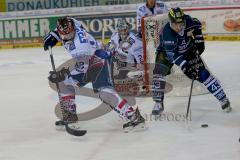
[(58, 76), (190, 71), (51, 39), (102, 54), (194, 52), (199, 45)]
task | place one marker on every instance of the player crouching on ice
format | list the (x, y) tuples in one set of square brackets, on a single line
[(127, 50), (182, 43), (92, 65)]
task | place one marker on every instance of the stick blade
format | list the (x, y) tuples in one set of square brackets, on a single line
[(75, 132)]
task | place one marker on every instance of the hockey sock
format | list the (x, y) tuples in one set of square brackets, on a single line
[(124, 109), (158, 86), (215, 88), (69, 103)]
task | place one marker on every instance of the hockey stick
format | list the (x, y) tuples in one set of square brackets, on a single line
[(103, 35), (69, 130), (189, 99)]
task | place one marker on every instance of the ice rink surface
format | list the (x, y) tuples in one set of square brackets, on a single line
[(27, 117)]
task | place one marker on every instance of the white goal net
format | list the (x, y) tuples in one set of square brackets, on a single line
[(151, 26)]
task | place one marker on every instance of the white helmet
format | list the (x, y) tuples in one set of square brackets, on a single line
[(123, 28)]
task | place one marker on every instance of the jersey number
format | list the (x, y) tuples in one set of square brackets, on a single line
[(82, 37)]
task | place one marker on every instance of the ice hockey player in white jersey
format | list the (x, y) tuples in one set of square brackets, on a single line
[(92, 65), (151, 7), (126, 48)]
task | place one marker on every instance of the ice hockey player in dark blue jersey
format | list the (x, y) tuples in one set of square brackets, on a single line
[(182, 43)]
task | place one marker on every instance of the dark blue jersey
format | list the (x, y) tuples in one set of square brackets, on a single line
[(177, 46)]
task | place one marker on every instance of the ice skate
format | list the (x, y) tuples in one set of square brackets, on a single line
[(136, 122), (158, 108), (225, 104)]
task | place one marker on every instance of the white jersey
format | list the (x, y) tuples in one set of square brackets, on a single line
[(128, 50), (82, 48), (143, 11)]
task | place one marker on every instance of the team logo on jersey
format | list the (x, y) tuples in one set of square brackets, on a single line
[(183, 42), (184, 45)]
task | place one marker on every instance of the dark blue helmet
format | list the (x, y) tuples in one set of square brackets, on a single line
[(176, 15)]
